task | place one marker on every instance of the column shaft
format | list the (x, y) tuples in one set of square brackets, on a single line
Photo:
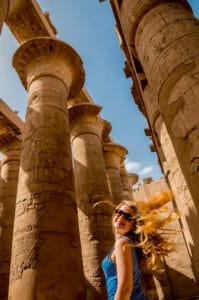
[(127, 180), (113, 155), (169, 56), (186, 264), (91, 188), (8, 189), (46, 256)]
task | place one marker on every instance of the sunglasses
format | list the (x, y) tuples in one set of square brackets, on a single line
[(127, 216)]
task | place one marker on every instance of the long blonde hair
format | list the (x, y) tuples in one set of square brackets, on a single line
[(148, 228)]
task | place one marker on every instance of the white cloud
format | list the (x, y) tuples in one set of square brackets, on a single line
[(138, 168), (146, 170), (132, 166)]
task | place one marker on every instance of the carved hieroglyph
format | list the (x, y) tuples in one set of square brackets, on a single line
[(11, 128), (167, 43), (8, 189), (186, 265), (91, 188), (46, 256)]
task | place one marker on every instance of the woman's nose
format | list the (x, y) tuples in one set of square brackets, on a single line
[(120, 217)]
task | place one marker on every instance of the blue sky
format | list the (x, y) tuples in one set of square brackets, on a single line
[(88, 26)]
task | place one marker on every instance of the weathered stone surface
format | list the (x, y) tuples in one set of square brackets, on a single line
[(4, 4), (8, 188), (26, 20), (160, 42), (127, 181), (91, 190), (11, 126), (179, 264), (113, 156), (30, 62), (132, 12), (171, 67), (46, 255), (11, 129)]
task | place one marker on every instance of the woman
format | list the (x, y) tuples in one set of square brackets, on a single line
[(135, 226)]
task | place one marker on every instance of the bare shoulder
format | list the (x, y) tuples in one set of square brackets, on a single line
[(122, 243)]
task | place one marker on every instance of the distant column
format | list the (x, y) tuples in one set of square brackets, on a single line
[(128, 180), (91, 188), (113, 155), (8, 190), (46, 254)]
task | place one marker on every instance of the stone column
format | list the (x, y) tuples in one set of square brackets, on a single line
[(113, 155), (127, 180), (186, 264), (166, 39), (8, 190), (91, 188), (186, 259), (46, 254)]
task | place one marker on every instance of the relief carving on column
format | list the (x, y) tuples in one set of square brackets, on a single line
[(46, 212), (185, 123), (132, 12)]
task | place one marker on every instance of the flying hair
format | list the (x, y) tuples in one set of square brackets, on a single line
[(149, 228), (149, 232)]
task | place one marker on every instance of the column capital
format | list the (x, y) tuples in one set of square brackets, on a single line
[(44, 56), (80, 98), (130, 178), (113, 154), (106, 131), (84, 119)]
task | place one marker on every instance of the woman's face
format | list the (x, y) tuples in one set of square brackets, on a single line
[(122, 224)]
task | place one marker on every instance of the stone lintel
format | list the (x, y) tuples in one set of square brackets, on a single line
[(26, 21), (84, 119), (11, 126), (44, 56)]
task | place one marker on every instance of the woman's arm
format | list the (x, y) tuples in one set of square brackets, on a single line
[(123, 258)]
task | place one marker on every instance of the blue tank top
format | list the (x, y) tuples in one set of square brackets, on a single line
[(109, 269)]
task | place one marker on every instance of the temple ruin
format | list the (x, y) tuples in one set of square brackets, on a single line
[(61, 165)]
